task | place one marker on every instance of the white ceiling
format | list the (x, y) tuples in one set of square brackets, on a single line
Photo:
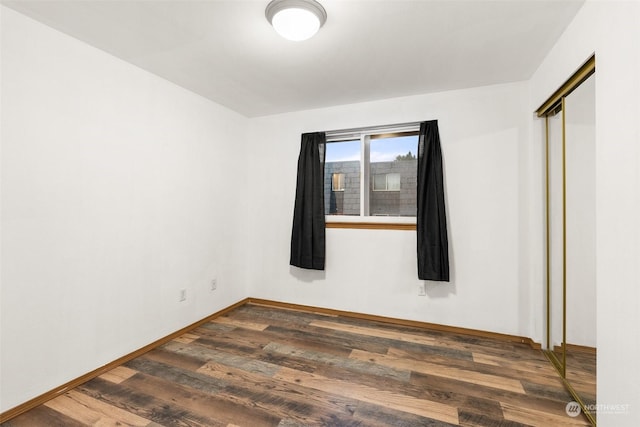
[(225, 50)]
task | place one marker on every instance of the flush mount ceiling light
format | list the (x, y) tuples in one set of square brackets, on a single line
[(296, 19)]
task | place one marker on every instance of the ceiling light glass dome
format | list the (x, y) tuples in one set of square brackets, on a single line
[(296, 20)]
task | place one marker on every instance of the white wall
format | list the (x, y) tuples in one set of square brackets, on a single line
[(482, 131), (118, 190), (612, 31)]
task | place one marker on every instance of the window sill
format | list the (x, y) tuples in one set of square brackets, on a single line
[(370, 225)]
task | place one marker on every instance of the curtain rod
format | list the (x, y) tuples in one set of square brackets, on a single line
[(399, 127)]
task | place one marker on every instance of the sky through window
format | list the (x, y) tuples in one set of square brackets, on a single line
[(382, 150)]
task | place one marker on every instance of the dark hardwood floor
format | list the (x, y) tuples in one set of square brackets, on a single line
[(265, 366)]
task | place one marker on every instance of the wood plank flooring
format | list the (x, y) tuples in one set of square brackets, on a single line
[(265, 366)]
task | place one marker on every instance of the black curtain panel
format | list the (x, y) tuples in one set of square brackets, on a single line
[(433, 246), (308, 233)]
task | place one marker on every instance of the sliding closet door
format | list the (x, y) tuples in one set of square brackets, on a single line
[(580, 239), (569, 116), (556, 231)]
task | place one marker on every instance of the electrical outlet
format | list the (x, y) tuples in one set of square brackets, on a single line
[(422, 289), (214, 284), (183, 295)]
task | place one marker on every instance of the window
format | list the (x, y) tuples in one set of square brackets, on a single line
[(342, 178), (386, 182), (371, 173), (337, 182)]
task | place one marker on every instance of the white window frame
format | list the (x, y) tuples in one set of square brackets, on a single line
[(364, 135)]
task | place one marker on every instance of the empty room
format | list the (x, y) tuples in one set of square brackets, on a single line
[(319, 213)]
